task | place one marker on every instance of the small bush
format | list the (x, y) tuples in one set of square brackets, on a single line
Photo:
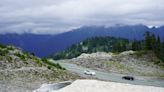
[(49, 67), (33, 54), (2, 46), (4, 52), (10, 48), (9, 59), (26, 54), (38, 61), (22, 57), (52, 64), (26, 62)]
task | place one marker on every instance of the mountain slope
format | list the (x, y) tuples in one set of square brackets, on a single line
[(91, 45), (23, 72), (112, 44), (44, 45)]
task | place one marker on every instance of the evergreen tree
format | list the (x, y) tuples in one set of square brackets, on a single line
[(153, 42), (158, 47), (148, 41), (111, 44), (134, 45), (162, 51)]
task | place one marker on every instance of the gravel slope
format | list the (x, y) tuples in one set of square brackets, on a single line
[(128, 62), (23, 72)]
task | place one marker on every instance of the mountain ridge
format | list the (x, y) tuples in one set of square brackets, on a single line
[(45, 45)]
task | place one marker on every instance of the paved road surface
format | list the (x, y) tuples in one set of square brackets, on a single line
[(114, 76)]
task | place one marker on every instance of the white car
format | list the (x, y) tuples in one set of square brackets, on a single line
[(88, 72)]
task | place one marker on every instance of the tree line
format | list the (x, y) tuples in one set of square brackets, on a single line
[(116, 45)]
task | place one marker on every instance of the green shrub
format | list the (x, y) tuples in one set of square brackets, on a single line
[(26, 62), (33, 54), (2, 46), (4, 52), (9, 58), (38, 61), (49, 67), (27, 54), (21, 56), (10, 48), (52, 64)]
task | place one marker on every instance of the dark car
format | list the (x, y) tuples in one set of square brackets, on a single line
[(128, 78)]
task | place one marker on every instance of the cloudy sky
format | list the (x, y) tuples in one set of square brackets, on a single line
[(55, 16)]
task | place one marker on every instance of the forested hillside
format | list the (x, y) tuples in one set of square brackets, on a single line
[(112, 44), (45, 45)]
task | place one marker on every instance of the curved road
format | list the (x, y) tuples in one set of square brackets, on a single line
[(139, 80)]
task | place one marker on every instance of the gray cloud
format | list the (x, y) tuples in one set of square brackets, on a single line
[(56, 16)]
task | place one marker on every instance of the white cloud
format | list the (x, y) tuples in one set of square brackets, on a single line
[(55, 16)]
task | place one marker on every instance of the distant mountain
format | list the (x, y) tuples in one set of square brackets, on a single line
[(44, 45)]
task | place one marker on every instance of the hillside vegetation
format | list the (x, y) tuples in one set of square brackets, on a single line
[(96, 44), (115, 45), (44, 45), (23, 72), (12, 58)]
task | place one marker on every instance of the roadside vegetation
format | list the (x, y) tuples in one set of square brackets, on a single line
[(51, 64)]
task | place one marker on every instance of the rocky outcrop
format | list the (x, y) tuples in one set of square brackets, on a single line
[(23, 72)]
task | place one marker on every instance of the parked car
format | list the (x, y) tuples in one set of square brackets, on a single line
[(128, 78), (88, 72)]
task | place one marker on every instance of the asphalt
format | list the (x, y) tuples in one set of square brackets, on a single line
[(114, 77)]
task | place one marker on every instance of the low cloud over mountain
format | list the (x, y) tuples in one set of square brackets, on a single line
[(56, 16)]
